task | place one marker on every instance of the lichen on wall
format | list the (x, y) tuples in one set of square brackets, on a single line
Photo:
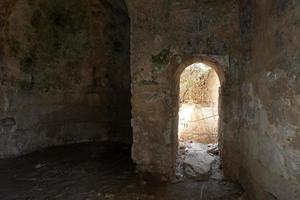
[(161, 60)]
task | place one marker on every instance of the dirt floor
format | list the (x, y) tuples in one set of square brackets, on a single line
[(95, 171)]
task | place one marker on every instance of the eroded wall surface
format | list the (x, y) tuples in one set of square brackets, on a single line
[(259, 111), (166, 35), (64, 68), (270, 133)]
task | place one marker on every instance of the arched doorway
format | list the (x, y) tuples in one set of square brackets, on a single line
[(198, 104), (197, 126), (155, 106)]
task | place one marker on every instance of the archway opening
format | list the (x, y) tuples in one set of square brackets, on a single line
[(198, 104), (198, 122)]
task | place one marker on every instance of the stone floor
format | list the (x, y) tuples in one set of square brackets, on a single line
[(96, 171)]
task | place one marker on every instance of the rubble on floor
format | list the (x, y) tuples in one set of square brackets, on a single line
[(198, 165), (199, 161)]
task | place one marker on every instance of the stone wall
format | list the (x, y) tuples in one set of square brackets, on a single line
[(166, 37), (64, 68), (270, 133), (259, 108), (65, 78)]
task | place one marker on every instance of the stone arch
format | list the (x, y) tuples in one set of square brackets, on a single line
[(208, 60)]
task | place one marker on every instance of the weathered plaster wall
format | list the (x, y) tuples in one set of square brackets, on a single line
[(64, 68), (270, 132), (166, 37)]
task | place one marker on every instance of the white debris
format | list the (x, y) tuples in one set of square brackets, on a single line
[(198, 165)]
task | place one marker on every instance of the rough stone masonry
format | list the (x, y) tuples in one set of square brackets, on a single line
[(260, 97), (67, 69)]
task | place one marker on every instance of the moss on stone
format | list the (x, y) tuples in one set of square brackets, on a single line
[(161, 60)]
